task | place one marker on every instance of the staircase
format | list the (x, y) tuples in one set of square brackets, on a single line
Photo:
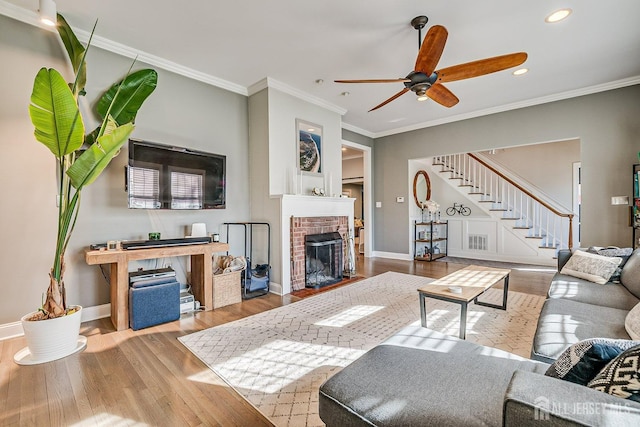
[(545, 225)]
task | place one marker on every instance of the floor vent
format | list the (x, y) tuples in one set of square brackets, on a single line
[(478, 242)]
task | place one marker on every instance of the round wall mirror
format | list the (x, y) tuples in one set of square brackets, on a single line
[(421, 188)]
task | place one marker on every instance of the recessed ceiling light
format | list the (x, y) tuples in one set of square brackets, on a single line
[(345, 93), (558, 16), (422, 98), (520, 71), (311, 129), (319, 81)]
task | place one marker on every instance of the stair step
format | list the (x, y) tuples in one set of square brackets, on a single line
[(437, 164), (548, 247), (465, 185), (486, 201), (456, 177), (511, 218), (498, 210), (476, 193), (520, 227), (534, 237), (445, 170)]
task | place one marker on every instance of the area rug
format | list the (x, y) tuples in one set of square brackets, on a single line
[(279, 358), (489, 263)]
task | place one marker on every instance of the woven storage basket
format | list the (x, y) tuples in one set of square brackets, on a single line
[(226, 289)]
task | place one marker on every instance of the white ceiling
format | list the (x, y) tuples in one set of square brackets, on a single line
[(237, 44)]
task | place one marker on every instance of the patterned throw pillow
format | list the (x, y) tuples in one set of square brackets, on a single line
[(622, 253), (581, 362), (621, 377), (592, 267)]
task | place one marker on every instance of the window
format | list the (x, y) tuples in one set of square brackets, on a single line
[(186, 188), (144, 187)]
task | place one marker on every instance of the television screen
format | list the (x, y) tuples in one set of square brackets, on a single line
[(165, 177)]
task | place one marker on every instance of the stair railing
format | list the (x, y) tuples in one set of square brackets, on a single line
[(518, 203)]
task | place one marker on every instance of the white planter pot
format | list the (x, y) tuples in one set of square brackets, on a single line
[(51, 339)]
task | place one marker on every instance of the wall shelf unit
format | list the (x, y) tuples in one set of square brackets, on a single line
[(430, 240)]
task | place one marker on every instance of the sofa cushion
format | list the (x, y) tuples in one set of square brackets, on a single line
[(621, 377), (421, 377), (564, 322), (630, 276), (581, 362), (632, 322), (592, 267), (609, 295)]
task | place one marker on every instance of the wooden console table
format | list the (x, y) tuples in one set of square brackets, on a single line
[(201, 273)]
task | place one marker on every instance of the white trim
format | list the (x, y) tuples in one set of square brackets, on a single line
[(358, 130), (31, 17), (14, 329), (391, 255), (269, 82), (516, 105)]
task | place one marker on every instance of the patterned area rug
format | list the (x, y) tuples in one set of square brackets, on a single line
[(279, 358)]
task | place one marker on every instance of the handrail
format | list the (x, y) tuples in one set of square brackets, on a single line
[(528, 193)]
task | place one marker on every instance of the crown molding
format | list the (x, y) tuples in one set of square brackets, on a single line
[(358, 130), (270, 82), (516, 105), (31, 17)]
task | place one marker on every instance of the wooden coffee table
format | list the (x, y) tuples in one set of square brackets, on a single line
[(474, 281)]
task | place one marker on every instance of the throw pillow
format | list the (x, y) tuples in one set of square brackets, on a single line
[(621, 377), (632, 322), (612, 251), (630, 277), (581, 362), (592, 267)]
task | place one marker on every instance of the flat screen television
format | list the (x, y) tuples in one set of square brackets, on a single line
[(165, 177)]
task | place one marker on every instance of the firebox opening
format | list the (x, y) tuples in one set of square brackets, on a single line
[(323, 259)]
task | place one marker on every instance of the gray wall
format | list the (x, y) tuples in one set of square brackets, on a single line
[(606, 124), (181, 112)]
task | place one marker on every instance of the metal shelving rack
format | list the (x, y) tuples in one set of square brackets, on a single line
[(249, 278)]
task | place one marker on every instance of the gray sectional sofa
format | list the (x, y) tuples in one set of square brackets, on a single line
[(420, 377), (578, 309)]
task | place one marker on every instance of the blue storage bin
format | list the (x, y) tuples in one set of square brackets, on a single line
[(155, 304)]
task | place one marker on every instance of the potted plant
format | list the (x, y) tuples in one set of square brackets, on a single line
[(80, 159)]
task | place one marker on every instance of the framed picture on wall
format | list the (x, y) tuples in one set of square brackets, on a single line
[(309, 145)]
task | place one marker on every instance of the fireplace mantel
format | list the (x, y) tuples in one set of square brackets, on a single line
[(306, 206)]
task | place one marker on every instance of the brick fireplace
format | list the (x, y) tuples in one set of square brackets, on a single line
[(302, 226)]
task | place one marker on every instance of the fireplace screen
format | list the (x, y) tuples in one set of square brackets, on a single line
[(323, 259)]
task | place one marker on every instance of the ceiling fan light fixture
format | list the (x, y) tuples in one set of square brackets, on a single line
[(520, 71), (422, 98), (558, 16), (47, 11)]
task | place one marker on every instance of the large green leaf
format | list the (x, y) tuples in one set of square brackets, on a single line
[(54, 113), (134, 90), (75, 50), (92, 162)]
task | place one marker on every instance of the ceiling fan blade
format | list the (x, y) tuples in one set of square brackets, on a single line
[(374, 81), (442, 95), (397, 95), (431, 49), (481, 67)]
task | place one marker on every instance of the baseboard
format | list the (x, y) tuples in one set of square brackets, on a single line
[(391, 255), (14, 329)]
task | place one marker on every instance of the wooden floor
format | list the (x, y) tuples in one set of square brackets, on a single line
[(147, 377)]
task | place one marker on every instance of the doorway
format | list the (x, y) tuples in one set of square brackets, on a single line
[(356, 183)]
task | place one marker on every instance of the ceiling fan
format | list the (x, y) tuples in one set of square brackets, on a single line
[(426, 81)]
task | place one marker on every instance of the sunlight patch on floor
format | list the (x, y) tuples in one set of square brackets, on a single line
[(207, 377), (350, 315), (279, 363), (108, 420)]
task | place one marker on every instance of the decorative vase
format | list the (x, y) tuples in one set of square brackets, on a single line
[(51, 339)]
